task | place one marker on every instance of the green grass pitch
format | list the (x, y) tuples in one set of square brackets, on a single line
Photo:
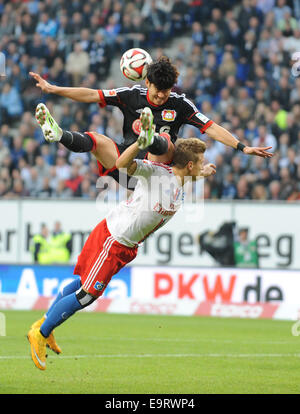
[(151, 354)]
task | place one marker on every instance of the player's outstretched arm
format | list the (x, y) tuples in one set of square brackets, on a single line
[(221, 134), (77, 94), (126, 159)]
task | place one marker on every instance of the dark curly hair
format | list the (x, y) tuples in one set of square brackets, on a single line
[(162, 73)]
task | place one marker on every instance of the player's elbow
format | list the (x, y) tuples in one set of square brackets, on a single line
[(121, 164), (129, 167)]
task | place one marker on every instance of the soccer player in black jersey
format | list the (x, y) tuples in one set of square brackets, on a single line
[(170, 111)]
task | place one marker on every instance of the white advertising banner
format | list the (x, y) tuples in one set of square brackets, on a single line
[(275, 227), (217, 285)]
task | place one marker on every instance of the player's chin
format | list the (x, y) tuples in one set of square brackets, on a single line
[(160, 102), (164, 158)]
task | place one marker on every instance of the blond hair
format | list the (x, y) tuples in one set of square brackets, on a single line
[(187, 149)]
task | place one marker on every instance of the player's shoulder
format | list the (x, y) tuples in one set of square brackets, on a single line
[(135, 89), (181, 99), (158, 166)]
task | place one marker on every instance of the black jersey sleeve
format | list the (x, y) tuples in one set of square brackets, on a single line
[(116, 97), (194, 117)]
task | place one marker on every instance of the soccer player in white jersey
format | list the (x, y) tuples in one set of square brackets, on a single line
[(114, 242)]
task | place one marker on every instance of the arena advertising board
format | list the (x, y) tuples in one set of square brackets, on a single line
[(225, 292), (275, 227)]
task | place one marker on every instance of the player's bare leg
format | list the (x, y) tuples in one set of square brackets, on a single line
[(101, 146), (105, 150)]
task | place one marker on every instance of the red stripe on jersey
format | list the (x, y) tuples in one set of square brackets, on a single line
[(93, 139), (150, 102), (153, 230), (160, 165), (192, 115), (209, 123), (102, 102), (200, 126)]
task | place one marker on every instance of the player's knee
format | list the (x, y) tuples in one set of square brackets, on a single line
[(159, 146), (96, 138), (84, 298), (167, 156)]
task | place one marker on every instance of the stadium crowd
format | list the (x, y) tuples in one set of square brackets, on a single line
[(237, 68)]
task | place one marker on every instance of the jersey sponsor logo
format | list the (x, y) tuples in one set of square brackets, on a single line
[(136, 126), (109, 92), (168, 115), (202, 117), (99, 286), (160, 210)]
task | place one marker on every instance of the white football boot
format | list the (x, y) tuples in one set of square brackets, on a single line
[(147, 129)]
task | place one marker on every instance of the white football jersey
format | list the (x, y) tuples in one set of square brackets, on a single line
[(157, 197)]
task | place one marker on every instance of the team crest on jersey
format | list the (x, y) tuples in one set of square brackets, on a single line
[(109, 92), (99, 286), (136, 126), (168, 115)]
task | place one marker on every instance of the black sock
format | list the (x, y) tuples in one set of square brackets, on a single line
[(159, 146), (76, 141)]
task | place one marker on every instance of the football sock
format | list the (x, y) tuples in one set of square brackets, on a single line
[(159, 146), (76, 141), (67, 290), (60, 312)]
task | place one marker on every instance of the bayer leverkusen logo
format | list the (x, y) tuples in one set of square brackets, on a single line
[(136, 126), (168, 115)]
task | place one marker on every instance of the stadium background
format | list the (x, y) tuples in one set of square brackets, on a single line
[(235, 63)]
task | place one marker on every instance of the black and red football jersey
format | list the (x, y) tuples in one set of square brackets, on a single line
[(169, 117)]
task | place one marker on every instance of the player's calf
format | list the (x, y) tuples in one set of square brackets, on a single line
[(65, 308)]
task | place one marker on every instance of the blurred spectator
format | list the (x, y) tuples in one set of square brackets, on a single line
[(99, 56), (46, 27), (75, 179), (77, 64), (245, 251), (40, 247), (242, 187), (234, 62), (264, 138), (274, 189), (61, 244), (228, 186), (179, 17), (4, 151), (10, 104), (259, 192)]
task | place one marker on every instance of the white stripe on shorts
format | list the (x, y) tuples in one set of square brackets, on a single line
[(99, 262)]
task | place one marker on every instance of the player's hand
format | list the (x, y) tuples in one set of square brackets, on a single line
[(259, 151), (209, 169), (45, 86)]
